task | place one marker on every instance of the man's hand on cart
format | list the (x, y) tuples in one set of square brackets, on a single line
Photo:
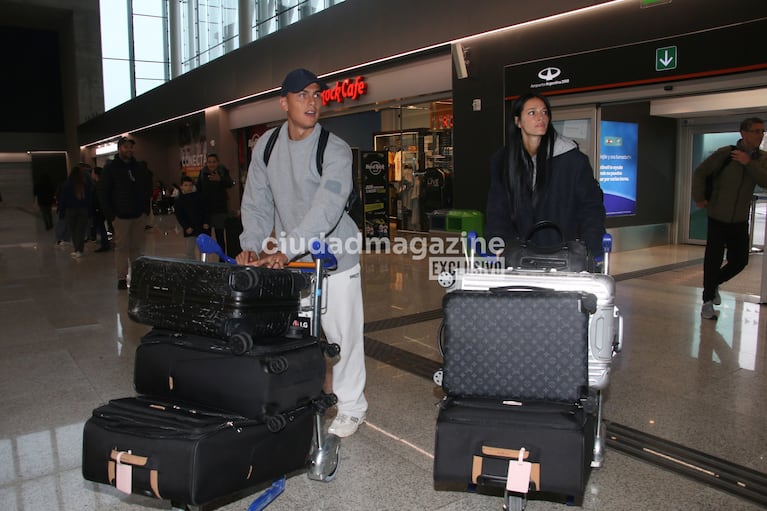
[(275, 260)]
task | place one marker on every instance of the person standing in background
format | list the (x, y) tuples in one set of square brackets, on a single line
[(735, 172), (76, 206), (125, 198), (213, 182), (98, 213), (192, 215), (44, 192)]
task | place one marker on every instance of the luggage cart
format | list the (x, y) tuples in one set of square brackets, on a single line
[(324, 456), (605, 329)]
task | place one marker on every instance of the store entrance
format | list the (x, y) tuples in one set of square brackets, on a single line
[(418, 142)]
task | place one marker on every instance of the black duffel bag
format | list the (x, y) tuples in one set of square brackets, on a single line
[(570, 256)]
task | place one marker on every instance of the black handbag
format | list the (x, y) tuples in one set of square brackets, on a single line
[(570, 256)]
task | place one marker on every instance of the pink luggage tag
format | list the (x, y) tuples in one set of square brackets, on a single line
[(123, 475), (518, 478)]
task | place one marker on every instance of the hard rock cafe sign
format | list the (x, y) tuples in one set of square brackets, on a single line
[(347, 89)]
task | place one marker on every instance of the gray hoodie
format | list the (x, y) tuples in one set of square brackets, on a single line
[(289, 198)]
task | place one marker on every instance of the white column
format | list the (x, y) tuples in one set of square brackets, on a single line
[(174, 33), (246, 18)]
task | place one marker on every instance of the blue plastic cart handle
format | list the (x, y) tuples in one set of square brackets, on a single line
[(319, 250), (208, 245), (607, 243)]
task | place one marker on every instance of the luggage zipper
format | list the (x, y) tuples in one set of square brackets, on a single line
[(201, 343), (198, 422)]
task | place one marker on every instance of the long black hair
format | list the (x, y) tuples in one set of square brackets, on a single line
[(523, 190)]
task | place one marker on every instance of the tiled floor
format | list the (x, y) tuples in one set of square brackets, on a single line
[(67, 346)]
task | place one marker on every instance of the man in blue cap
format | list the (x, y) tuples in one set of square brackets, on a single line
[(292, 198)]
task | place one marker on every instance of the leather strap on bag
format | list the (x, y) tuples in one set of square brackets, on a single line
[(127, 458)]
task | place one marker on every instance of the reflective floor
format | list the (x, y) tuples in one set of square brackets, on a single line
[(67, 346)]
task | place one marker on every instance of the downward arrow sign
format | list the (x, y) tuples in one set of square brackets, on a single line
[(666, 60)]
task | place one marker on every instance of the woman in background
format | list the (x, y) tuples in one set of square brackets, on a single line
[(76, 206)]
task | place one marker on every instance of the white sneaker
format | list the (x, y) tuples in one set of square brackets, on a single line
[(345, 425), (708, 311), (717, 298), (76, 254)]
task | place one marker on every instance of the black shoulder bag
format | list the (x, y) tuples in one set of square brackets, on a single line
[(570, 256)]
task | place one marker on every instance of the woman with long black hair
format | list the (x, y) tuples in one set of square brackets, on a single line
[(540, 175)]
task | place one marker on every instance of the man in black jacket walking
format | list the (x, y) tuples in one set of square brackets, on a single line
[(125, 196)]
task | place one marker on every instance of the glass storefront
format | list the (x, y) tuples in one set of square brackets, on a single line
[(419, 154)]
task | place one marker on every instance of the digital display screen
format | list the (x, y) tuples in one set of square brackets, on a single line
[(618, 166)]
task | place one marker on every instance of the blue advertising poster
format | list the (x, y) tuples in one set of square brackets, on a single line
[(618, 167)]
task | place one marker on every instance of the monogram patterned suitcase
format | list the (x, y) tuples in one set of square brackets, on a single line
[(605, 325), (519, 343)]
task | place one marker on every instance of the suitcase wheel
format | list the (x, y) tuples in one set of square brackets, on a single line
[(331, 349), (277, 365), (275, 423), (243, 279), (240, 343)]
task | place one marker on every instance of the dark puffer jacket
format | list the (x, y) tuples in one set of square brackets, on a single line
[(573, 200), (126, 189)]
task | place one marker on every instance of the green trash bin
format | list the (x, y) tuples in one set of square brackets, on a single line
[(465, 220)]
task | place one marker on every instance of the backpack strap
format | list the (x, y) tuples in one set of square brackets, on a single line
[(270, 144), (321, 145)]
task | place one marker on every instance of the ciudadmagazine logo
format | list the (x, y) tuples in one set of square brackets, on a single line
[(445, 254)]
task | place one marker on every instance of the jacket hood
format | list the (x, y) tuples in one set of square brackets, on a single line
[(563, 144)]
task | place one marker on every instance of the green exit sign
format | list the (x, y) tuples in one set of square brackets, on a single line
[(665, 58), (652, 3)]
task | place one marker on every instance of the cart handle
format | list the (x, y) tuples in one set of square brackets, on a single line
[(320, 251), (208, 245)]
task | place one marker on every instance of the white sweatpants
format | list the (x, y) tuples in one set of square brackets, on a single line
[(342, 322)]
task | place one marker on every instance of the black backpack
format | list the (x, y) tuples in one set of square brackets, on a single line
[(353, 199)]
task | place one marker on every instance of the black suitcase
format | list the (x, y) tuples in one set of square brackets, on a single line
[(523, 344), (276, 375), (476, 439), (231, 302), (189, 456)]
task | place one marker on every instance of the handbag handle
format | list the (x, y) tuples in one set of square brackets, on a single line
[(545, 224)]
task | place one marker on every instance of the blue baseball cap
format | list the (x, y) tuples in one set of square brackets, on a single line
[(298, 79)]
